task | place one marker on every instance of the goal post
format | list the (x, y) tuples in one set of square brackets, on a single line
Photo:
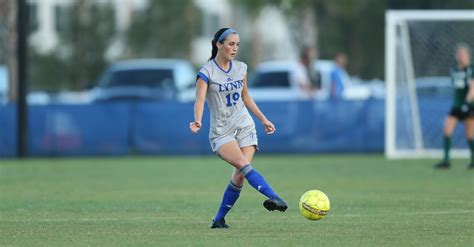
[(419, 51)]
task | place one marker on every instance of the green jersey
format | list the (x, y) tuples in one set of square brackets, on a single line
[(461, 79)]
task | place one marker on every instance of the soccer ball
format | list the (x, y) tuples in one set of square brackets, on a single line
[(314, 205)]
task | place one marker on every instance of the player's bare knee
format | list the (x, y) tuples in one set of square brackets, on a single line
[(448, 130), (240, 163), (446, 133)]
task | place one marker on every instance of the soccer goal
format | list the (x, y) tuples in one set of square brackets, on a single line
[(419, 51)]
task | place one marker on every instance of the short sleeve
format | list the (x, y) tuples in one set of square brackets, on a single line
[(203, 74), (244, 69)]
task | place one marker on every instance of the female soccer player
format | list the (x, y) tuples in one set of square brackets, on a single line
[(222, 81), (462, 76)]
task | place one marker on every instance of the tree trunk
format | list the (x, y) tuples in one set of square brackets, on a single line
[(305, 33), (256, 45), (79, 45), (308, 30), (8, 15)]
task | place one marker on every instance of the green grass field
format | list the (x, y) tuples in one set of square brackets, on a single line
[(170, 201)]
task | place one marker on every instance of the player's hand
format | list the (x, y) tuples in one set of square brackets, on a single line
[(269, 127), (195, 127)]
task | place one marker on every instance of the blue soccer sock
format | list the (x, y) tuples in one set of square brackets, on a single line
[(257, 181), (231, 195)]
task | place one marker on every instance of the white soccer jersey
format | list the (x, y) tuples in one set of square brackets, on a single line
[(227, 110)]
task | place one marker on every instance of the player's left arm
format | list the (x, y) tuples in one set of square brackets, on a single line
[(252, 106), (470, 93)]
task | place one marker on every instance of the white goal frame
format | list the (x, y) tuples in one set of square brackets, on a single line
[(394, 18)]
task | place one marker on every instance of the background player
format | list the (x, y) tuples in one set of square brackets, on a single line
[(462, 109), (222, 81)]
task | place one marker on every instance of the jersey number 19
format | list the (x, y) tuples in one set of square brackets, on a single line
[(232, 100)]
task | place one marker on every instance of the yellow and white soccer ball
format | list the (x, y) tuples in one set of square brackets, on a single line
[(314, 205)]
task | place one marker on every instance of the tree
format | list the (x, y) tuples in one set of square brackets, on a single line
[(357, 29), (8, 38), (47, 72), (353, 27), (4, 25), (86, 36), (85, 30), (430, 4), (163, 29), (301, 16)]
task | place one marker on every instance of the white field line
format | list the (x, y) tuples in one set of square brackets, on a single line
[(91, 219), (410, 213), (332, 214)]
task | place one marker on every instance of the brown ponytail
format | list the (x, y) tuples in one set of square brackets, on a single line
[(214, 42)]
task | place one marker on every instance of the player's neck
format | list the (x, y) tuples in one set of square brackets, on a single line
[(222, 62)]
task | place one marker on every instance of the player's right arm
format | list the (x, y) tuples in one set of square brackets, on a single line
[(201, 90)]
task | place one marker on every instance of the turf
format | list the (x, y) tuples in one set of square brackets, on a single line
[(170, 201)]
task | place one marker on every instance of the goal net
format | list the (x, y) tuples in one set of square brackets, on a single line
[(419, 51)]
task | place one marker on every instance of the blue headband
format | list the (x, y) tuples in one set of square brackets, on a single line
[(225, 34)]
